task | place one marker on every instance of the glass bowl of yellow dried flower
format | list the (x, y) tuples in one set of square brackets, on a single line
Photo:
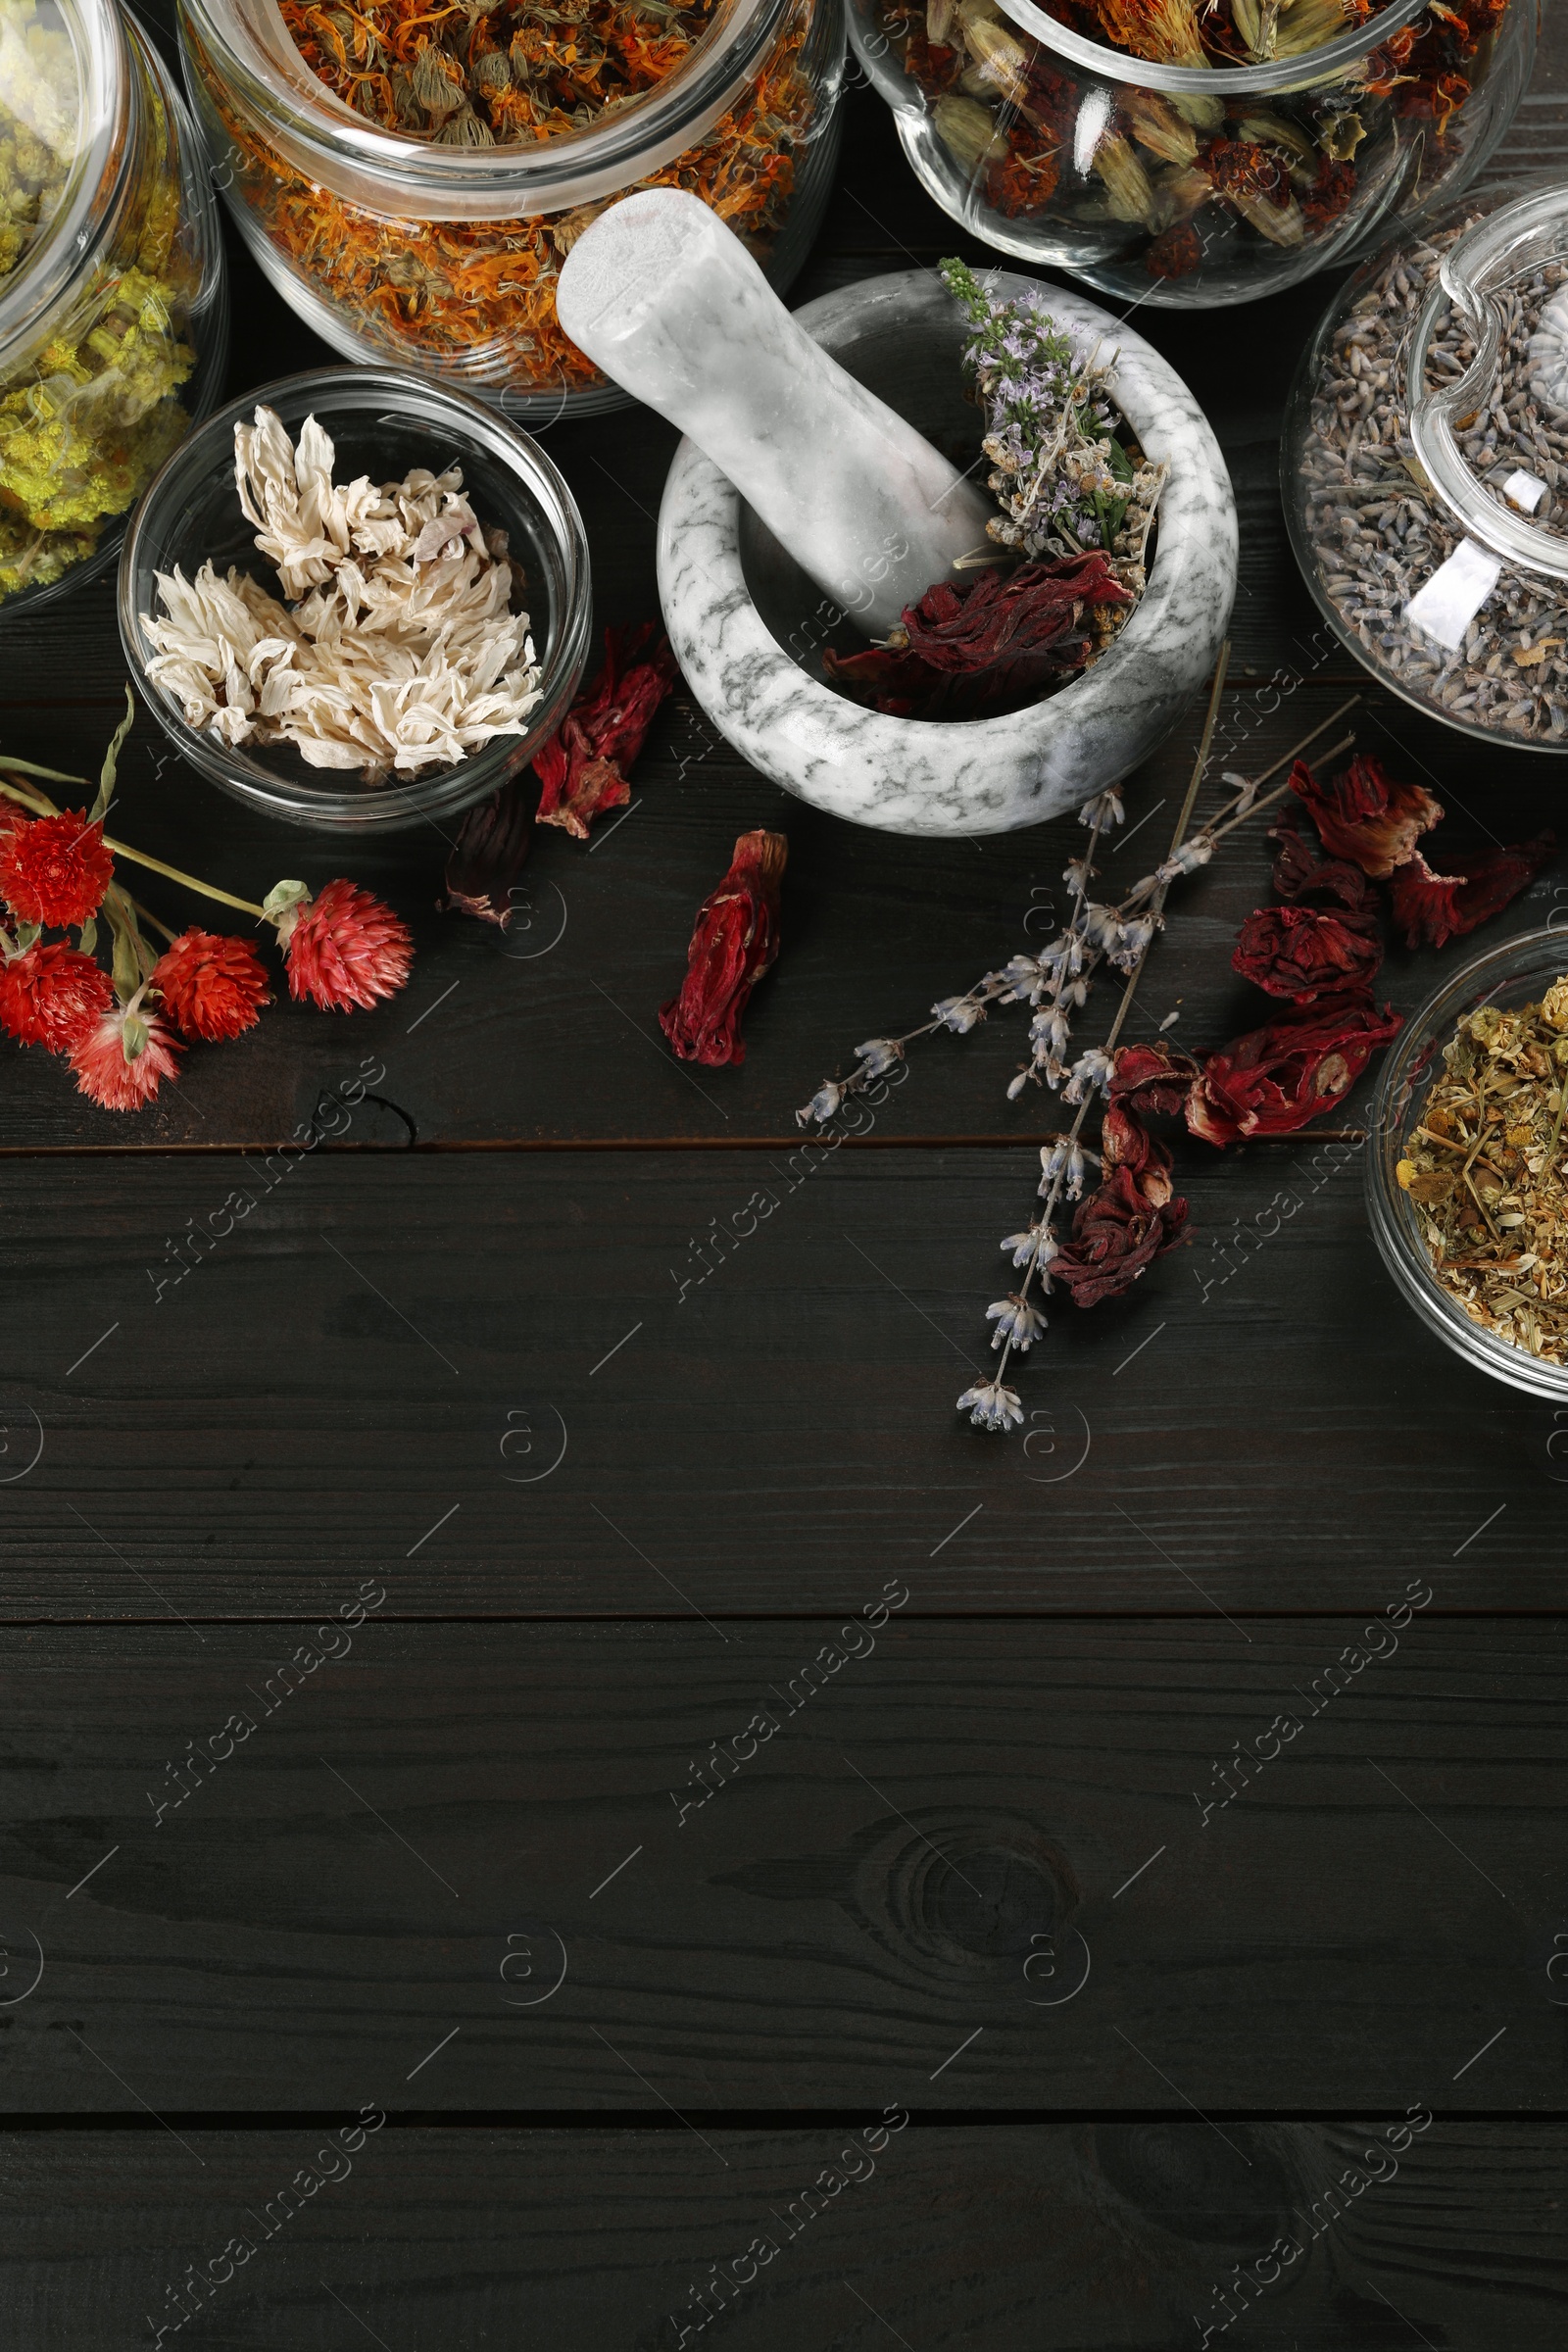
[(357, 598), (1467, 1173)]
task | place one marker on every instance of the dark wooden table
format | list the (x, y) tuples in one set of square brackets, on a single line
[(598, 1522)]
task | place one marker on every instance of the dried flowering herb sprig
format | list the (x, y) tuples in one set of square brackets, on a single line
[(1067, 481), (123, 1030)]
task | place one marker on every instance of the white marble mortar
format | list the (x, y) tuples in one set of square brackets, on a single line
[(987, 776)]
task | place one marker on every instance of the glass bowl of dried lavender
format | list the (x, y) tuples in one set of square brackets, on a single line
[(1425, 468), (357, 598), (1467, 1177)]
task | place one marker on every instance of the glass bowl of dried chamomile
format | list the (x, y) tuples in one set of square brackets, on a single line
[(1467, 1176), (357, 598)]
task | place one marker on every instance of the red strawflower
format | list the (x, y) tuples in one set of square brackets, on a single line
[(1437, 908), (1273, 1080), (583, 766), (1132, 1218), (1365, 816), (345, 948), (1154, 1079), (49, 995), (112, 1076), (734, 942), (212, 987), (55, 869), (1303, 952)]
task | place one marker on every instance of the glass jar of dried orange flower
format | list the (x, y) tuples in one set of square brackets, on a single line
[(411, 175)]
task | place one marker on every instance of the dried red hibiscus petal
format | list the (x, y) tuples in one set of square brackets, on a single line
[(583, 767), (489, 853), (1273, 1080), (735, 941), (1297, 874), (1364, 816), (973, 645), (1132, 1218), (1303, 952), (1154, 1080), (1433, 908)]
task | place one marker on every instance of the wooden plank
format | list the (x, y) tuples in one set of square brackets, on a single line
[(550, 1033), (968, 1865), (1064, 2239), (502, 1347), (1028, 2241)]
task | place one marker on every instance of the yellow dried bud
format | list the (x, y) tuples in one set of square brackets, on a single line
[(1156, 125), (966, 130)]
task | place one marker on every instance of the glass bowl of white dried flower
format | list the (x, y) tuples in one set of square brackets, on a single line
[(357, 598)]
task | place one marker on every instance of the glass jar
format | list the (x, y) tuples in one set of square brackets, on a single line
[(393, 246), (1432, 526), (1192, 185), (1517, 973), (112, 293)]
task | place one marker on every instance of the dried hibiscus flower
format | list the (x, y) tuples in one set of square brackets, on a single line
[(1433, 908), (1133, 1217), (488, 854), (1298, 873), (583, 766), (1305, 952), (1364, 816), (972, 646), (1275, 1079), (1154, 1079), (735, 941)]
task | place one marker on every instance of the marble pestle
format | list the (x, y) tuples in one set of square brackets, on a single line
[(668, 301)]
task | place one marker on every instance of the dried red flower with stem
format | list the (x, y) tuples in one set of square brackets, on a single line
[(343, 948), (1130, 1219), (213, 985), (1433, 908), (123, 1057), (1275, 1079), (735, 941), (584, 767), (971, 646), (1303, 952), (49, 994), (1364, 816), (55, 869)]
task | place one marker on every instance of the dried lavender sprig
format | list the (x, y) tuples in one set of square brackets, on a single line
[(991, 1404), (1016, 981)]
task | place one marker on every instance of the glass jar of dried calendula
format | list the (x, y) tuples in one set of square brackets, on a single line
[(411, 176), (111, 306), (1194, 152)]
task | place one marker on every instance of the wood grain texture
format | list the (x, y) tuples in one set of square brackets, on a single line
[(478, 1374), (968, 1865), (1061, 2238)]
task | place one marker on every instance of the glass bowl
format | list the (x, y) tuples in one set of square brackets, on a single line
[(382, 423), (1188, 186), (1519, 972)]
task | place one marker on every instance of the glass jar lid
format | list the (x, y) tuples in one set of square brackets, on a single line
[(1501, 284), (63, 76)]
